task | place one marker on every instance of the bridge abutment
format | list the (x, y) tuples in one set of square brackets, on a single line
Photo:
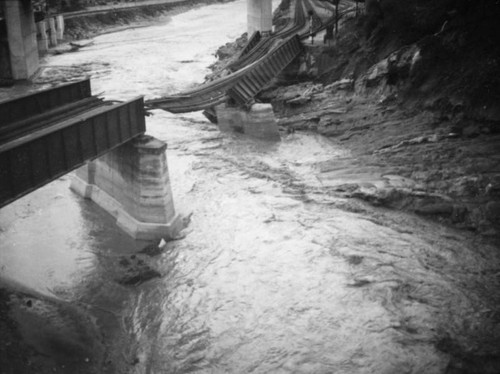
[(132, 183), (259, 16), (21, 32)]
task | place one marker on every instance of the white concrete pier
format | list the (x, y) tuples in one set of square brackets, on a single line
[(132, 183), (259, 16), (59, 20), (258, 122), (21, 32)]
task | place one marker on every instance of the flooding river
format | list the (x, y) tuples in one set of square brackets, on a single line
[(275, 274)]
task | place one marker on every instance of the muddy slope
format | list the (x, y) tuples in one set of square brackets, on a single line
[(413, 93)]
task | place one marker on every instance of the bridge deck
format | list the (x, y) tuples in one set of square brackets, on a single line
[(37, 147)]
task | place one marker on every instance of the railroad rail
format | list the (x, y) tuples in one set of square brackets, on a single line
[(252, 42)]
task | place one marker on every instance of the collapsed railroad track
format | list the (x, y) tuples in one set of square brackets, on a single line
[(262, 59)]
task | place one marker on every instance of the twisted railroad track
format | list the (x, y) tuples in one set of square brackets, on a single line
[(262, 59)]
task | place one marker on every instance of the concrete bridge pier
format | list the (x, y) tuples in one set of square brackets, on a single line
[(59, 20), (132, 183), (258, 121), (21, 32), (52, 31), (259, 16), (43, 41)]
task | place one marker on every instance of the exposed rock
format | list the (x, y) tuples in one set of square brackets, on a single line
[(465, 186), (343, 84), (137, 269), (418, 140), (377, 73), (331, 126), (154, 249), (139, 276)]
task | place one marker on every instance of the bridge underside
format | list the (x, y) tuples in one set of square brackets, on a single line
[(49, 133)]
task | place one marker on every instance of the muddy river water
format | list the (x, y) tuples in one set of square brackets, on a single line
[(275, 274)]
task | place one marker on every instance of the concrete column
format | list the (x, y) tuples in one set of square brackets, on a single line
[(132, 183), (259, 16), (258, 122), (52, 31), (84, 180), (43, 41), (60, 27), (21, 32)]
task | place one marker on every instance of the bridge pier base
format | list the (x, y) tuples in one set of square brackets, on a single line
[(132, 183), (258, 122)]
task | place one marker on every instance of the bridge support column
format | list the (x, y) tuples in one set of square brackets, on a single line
[(43, 42), (132, 183), (258, 122), (60, 26), (259, 16), (21, 32), (52, 31)]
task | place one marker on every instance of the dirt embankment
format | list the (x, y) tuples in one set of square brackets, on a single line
[(413, 92)]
